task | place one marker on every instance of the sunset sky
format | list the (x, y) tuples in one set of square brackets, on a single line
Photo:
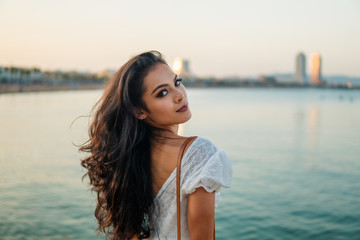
[(219, 38)]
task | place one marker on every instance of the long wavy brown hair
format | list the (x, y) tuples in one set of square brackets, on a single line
[(118, 153)]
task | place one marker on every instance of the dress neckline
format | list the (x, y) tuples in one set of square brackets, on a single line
[(173, 174)]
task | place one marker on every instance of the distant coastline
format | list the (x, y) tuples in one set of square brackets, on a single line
[(47, 88), (18, 79), (18, 88)]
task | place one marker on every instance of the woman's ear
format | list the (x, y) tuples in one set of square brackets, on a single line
[(140, 114)]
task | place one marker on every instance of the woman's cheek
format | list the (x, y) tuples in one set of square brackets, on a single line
[(163, 107)]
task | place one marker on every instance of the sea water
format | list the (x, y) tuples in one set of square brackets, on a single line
[(295, 155)]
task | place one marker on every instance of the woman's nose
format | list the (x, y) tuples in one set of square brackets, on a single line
[(179, 96)]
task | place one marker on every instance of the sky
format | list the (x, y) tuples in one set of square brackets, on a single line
[(219, 38)]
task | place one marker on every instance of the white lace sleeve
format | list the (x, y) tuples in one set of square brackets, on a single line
[(210, 168)]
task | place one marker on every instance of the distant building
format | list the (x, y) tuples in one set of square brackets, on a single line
[(300, 69), (266, 79), (36, 75), (284, 78), (181, 67), (316, 69), (19, 75), (186, 66)]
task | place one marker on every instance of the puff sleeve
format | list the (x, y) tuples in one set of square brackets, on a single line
[(209, 168)]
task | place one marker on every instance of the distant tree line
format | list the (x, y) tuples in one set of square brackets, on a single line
[(35, 76)]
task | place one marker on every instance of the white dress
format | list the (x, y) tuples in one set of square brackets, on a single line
[(203, 165)]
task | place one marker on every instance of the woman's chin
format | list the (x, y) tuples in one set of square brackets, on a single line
[(186, 119)]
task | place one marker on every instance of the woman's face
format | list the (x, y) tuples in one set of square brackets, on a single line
[(164, 96)]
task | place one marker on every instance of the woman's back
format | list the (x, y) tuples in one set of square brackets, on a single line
[(164, 158), (203, 165)]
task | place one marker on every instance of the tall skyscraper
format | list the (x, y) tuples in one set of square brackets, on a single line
[(300, 71), (316, 69)]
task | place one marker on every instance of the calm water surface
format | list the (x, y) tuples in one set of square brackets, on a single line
[(295, 153)]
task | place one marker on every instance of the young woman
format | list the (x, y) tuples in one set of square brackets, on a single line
[(133, 151)]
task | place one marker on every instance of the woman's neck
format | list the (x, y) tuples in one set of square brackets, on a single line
[(167, 131), (166, 135)]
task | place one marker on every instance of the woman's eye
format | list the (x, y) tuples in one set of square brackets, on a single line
[(178, 81), (162, 93)]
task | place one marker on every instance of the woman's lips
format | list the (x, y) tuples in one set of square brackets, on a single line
[(183, 108)]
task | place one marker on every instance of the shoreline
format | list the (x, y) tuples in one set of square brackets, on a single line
[(4, 89), (47, 88)]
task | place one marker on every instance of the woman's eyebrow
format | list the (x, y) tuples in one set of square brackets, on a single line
[(163, 85)]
